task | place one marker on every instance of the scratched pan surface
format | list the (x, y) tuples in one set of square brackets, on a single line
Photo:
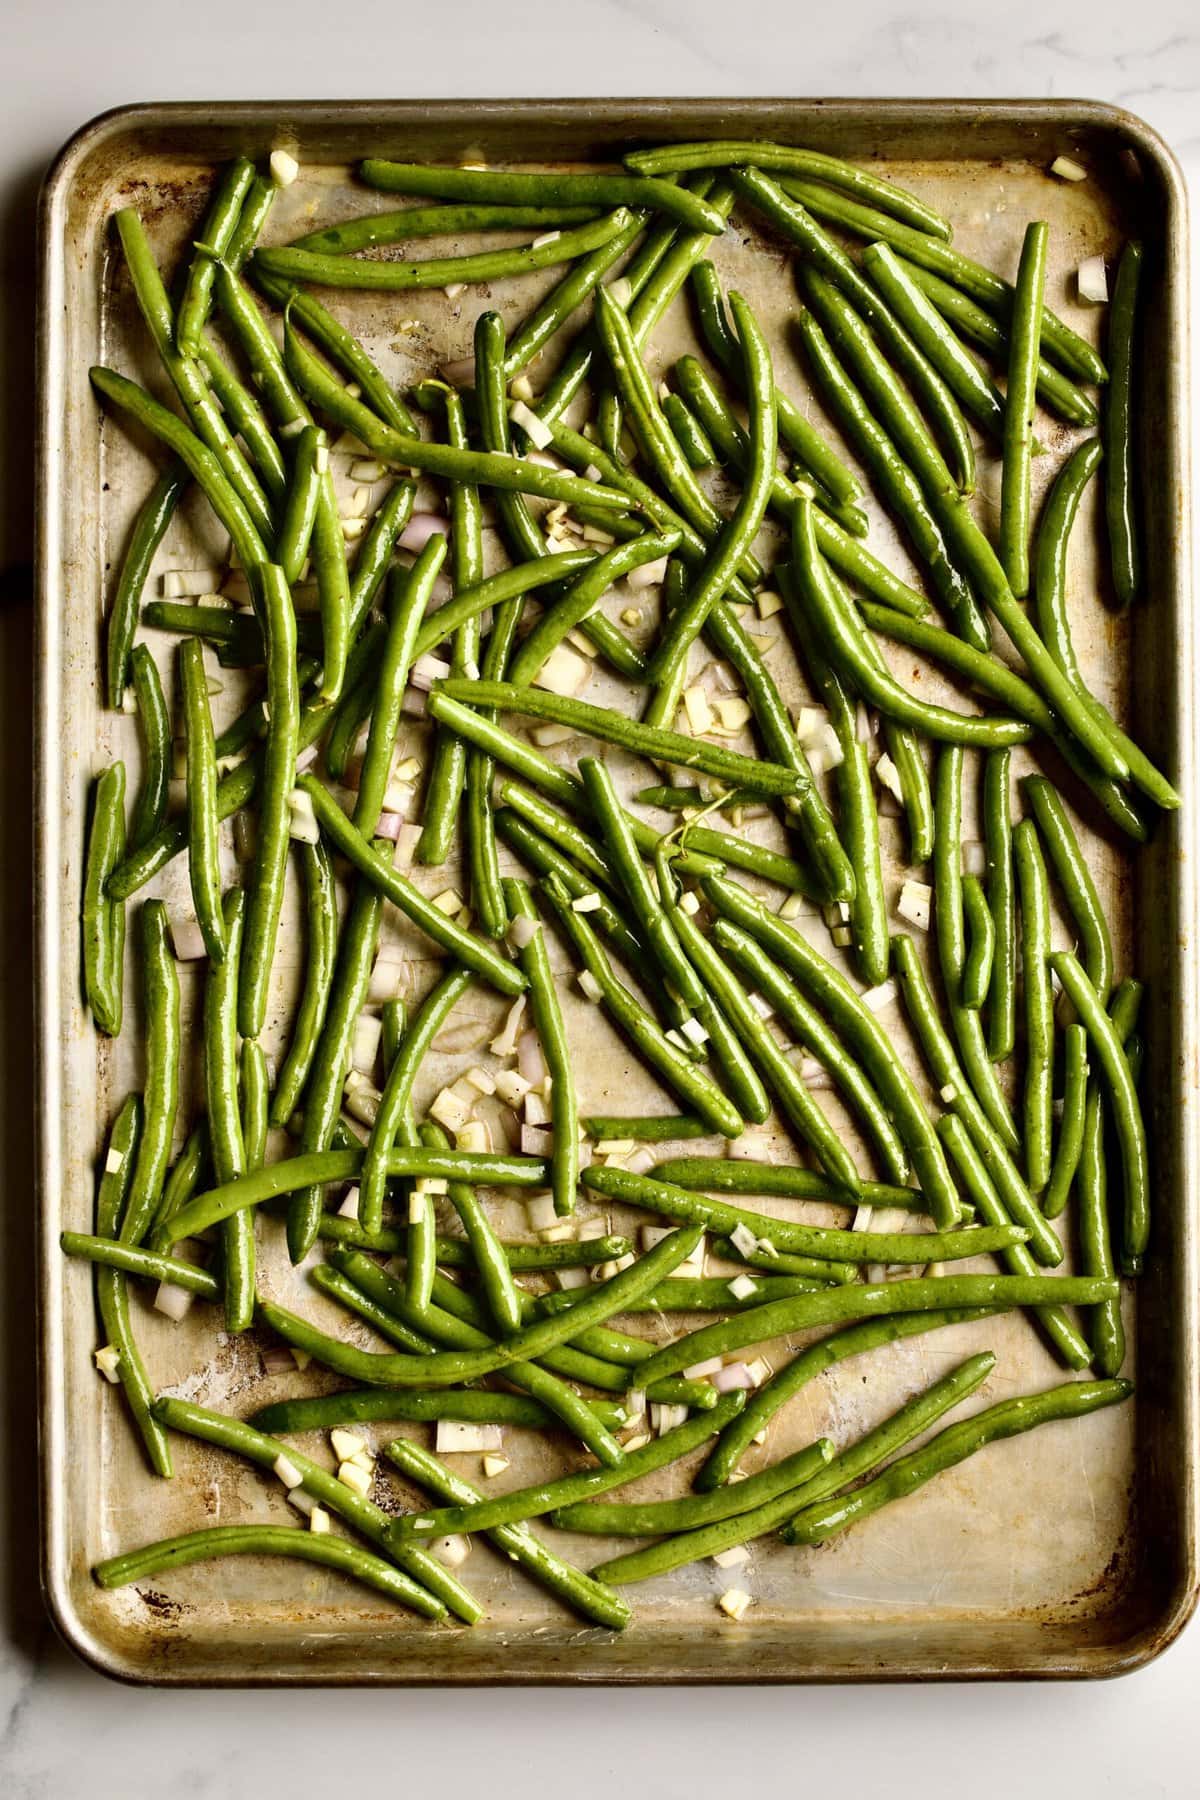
[(1071, 1551)]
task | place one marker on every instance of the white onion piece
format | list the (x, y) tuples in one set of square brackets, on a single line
[(408, 837), (387, 977), (414, 703), (278, 1360), (651, 574), (531, 1064), (1067, 169), (176, 1302), (563, 672), (426, 670), (536, 1142), (460, 373), (877, 999), (699, 1370), (284, 168), (364, 1048), (522, 931), (306, 759), (974, 857), (505, 1042), (390, 825), (460, 1437), (186, 937), (1092, 280), (731, 1377), (349, 1207)]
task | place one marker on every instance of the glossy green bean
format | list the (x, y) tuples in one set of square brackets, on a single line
[(245, 417), (1069, 1145), (513, 188), (656, 1128), (254, 1080), (688, 432), (981, 943), (1120, 506), (536, 331), (772, 1262), (726, 1175), (1053, 540), (723, 1042), (1095, 1210), (576, 606), (375, 551), (339, 1287), (469, 603), (1075, 879), (218, 226), (358, 1406), (657, 1518), (204, 864), (370, 231), (548, 1023), (160, 998), (974, 390), (333, 589), (492, 1267), (1034, 891), (1025, 336), (1002, 903), (103, 917), (149, 528), (108, 1253), (339, 345), (150, 808), (265, 902), (321, 920), (410, 595), (300, 509), (186, 1175), (223, 1105)]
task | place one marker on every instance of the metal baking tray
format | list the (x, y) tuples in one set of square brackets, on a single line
[(1070, 1552)]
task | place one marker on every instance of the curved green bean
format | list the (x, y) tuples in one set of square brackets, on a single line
[(108, 1253), (1120, 508), (358, 1406), (103, 916), (218, 226), (1069, 1147), (548, 1023), (204, 858), (321, 917), (150, 808), (509, 187), (1034, 891), (657, 1518), (410, 594), (1053, 539), (155, 514), (1001, 896), (222, 1100), (1025, 336), (160, 989), (725, 1175), (265, 902), (981, 943), (300, 508), (929, 331)]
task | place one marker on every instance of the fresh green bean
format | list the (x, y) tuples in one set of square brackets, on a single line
[(300, 511), (1053, 539), (576, 607), (725, 849), (410, 594), (339, 1287), (246, 417), (1075, 878), (375, 551), (219, 225), (371, 231), (1126, 1109), (490, 1262), (587, 1597), (548, 1023), (204, 863), (1120, 508), (333, 589), (1064, 347), (723, 1042), (725, 1175), (808, 1268), (688, 433), (150, 808), (915, 793), (498, 590), (925, 325), (358, 1406), (186, 1175), (859, 1027), (1001, 896), (584, 851), (576, 285), (265, 902), (160, 991), (546, 859), (104, 916), (339, 345), (1106, 1326), (905, 1424), (434, 1588), (112, 1294), (227, 1143), (692, 1084), (108, 1253), (657, 1128), (1007, 1418), (1069, 1147), (254, 1079), (657, 1518), (508, 187), (809, 1028), (1034, 891), (321, 917), (149, 528), (981, 943), (568, 1490), (1025, 336)]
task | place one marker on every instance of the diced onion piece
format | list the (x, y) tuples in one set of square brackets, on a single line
[(407, 839), (759, 1370), (426, 670), (733, 1376), (974, 857), (590, 986), (563, 672), (878, 999), (583, 644), (175, 1302), (734, 712), (631, 616), (743, 1286), (751, 1146), (699, 1370), (362, 1100), (475, 1136), (794, 905), (521, 388), (664, 1417), (367, 469), (494, 1465), (547, 736), (693, 1031), (459, 1437), (948, 1095), (460, 373), (453, 289), (690, 903), (640, 1162), (511, 1086), (862, 1218), (287, 1471), (114, 1162), (571, 1278), (303, 1503), (637, 1442), (353, 528), (505, 1042), (613, 1147), (768, 603), (914, 904), (450, 1110), (387, 977), (535, 429), (531, 1064), (187, 940), (1067, 169), (480, 1080), (355, 1477), (364, 1047), (699, 711), (843, 937), (523, 930), (455, 1549), (537, 1112), (414, 706), (743, 1239), (732, 1558), (561, 1232), (390, 825), (761, 1006), (587, 903), (888, 776), (302, 821), (349, 1207), (107, 1360), (449, 901), (1092, 280), (646, 575), (536, 1142), (865, 723), (189, 584), (284, 168), (320, 1521), (346, 1445)]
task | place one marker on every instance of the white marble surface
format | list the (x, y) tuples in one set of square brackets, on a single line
[(66, 1732)]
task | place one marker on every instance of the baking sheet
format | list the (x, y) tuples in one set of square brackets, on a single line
[(1071, 1550)]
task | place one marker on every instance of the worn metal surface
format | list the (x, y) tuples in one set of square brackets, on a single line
[(1072, 1551)]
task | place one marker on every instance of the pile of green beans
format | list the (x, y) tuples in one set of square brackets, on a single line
[(422, 701)]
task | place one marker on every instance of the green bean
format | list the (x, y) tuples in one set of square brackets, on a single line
[(103, 916), (654, 742), (321, 915), (149, 528), (724, 1175), (544, 1497), (757, 154), (333, 589), (246, 417), (448, 1368), (688, 433), (693, 1085), (916, 796), (490, 1262), (908, 1422), (765, 1402), (323, 1093), (235, 634), (766, 1257), (1063, 346), (548, 1023), (434, 1588), (859, 819), (375, 551), (817, 1523), (300, 511), (547, 860), (371, 231), (576, 607), (497, 590), (981, 943), (340, 1288), (255, 1082), (711, 1293), (1025, 336), (219, 1541), (574, 288), (864, 1034), (835, 1305), (395, 445), (795, 430), (1075, 878), (265, 902), (150, 808), (810, 1240), (471, 1330), (261, 351), (1001, 895), (1069, 1147), (410, 594), (726, 849), (809, 1028), (723, 1042), (1120, 508), (886, 451), (591, 1599), (657, 1128), (204, 870), (358, 1406), (658, 1518), (388, 882), (227, 1143), (510, 188), (208, 422), (845, 644), (107, 1253), (448, 767), (256, 207), (1107, 1328), (563, 832), (1039, 1001), (737, 536), (160, 990), (1126, 1109), (357, 697), (925, 325), (339, 345), (185, 1176), (218, 227), (951, 943), (825, 260), (1053, 539), (952, 1084), (1054, 1320)]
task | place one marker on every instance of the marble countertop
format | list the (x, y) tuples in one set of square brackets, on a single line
[(66, 1732)]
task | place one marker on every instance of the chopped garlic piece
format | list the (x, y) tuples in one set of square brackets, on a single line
[(743, 1286), (590, 986), (346, 1445), (735, 1603), (355, 1477), (287, 1472), (699, 712), (768, 603), (732, 1558), (320, 1521), (284, 168), (451, 1550), (494, 1465), (1067, 169), (107, 1359)]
